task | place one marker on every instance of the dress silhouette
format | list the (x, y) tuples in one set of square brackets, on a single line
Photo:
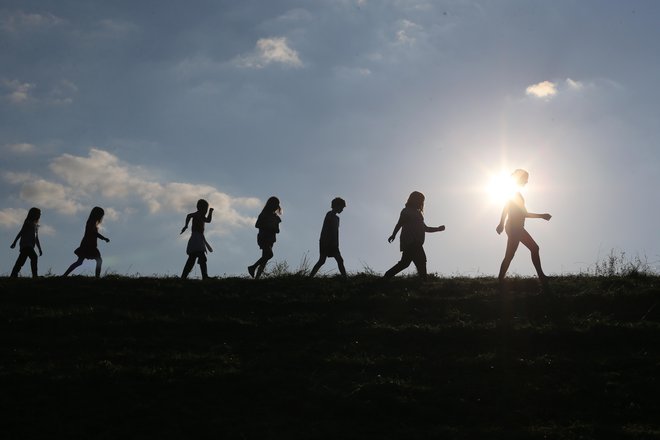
[(88, 249), (329, 240), (514, 214), (29, 236), (413, 232), (268, 224), (197, 244)]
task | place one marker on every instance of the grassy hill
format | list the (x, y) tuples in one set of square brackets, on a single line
[(291, 357)]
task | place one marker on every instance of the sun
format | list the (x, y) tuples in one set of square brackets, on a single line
[(500, 188)]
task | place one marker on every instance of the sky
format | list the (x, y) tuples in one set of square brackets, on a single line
[(144, 107)]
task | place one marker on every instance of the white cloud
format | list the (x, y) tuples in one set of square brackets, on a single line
[(21, 148), (49, 195), (19, 92), (102, 175), (544, 89), (10, 217), (21, 21), (406, 32), (270, 51), (575, 85)]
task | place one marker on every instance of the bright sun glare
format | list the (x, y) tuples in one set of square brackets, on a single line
[(500, 188)]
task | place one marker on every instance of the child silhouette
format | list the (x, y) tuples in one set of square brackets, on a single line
[(268, 224), (329, 240), (197, 244), (29, 235), (515, 213), (88, 248), (413, 231)]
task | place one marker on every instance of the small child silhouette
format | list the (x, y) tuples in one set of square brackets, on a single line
[(88, 248), (268, 224), (413, 231), (197, 244), (329, 240), (515, 213), (29, 235)]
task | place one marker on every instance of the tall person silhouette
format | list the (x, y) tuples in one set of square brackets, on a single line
[(413, 232), (268, 224), (197, 244), (515, 213), (329, 240), (88, 248), (29, 236)]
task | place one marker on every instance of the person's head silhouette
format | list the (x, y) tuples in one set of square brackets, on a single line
[(416, 201)]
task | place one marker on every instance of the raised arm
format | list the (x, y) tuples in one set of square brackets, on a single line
[(544, 216), (188, 218), (208, 217), (505, 213)]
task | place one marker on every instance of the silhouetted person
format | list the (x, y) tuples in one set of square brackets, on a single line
[(197, 244), (268, 224), (329, 240), (29, 235), (515, 213), (88, 249), (413, 232)]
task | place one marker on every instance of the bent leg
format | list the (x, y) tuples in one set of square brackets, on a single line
[(529, 242), (266, 255), (201, 260), (419, 259), (401, 265), (20, 261), (513, 240), (73, 266)]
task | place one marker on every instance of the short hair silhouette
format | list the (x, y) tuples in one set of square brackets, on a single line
[(338, 203)]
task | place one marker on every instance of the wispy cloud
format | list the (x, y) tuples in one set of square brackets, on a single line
[(406, 32), (574, 85), (544, 89), (102, 177), (269, 51), (21, 148), (22, 93), (19, 21)]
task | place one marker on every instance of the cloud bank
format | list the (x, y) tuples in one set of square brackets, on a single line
[(102, 178)]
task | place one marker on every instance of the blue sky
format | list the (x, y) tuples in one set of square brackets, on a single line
[(144, 107)]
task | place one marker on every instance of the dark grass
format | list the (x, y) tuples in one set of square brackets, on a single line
[(291, 357)]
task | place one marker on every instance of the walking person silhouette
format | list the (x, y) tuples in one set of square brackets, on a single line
[(268, 224), (29, 236), (88, 248), (515, 213), (329, 240), (197, 244), (413, 232)]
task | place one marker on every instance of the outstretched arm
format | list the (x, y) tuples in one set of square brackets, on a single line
[(188, 217), (107, 240), (208, 218), (505, 213), (545, 216), (433, 228)]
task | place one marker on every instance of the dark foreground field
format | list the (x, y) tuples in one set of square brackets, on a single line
[(298, 358)]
